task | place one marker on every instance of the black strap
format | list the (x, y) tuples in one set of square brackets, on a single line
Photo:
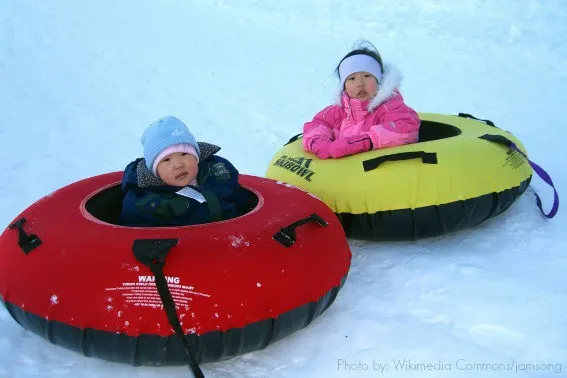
[(293, 139), (286, 236), (214, 204), (487, 121), (426, 158), (26, 242), (501, 139), (152, 253)]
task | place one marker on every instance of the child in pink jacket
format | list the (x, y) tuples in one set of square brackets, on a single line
[(371, 113)]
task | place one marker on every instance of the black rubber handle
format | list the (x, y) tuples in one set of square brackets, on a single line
[(487, 121), (426, 158), (293, 139), (497, 139), (26, 242), (150, 251), (286, 236)]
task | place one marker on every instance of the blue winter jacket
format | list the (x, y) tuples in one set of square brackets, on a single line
[(148, 201)]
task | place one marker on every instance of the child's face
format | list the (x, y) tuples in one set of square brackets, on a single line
[(361, 85), (178, 169)]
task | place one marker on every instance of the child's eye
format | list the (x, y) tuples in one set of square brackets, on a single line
[(166, 159), (350, 78), (183, 153), (367, 75)]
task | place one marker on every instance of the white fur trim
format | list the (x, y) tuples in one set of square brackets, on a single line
[(392, 80)]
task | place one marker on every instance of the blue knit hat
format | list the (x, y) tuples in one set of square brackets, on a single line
[(163, 133)]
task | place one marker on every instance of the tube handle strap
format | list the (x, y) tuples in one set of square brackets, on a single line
[(426, 158), (501, 139)]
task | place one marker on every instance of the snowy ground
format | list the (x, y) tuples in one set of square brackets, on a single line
[(79, 81)]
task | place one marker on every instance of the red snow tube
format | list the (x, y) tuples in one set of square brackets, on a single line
[(69, 274)]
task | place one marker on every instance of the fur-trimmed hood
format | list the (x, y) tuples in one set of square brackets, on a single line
[(386, 89)]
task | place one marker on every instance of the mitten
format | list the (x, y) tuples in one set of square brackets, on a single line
[(320, 147), (349, 146)]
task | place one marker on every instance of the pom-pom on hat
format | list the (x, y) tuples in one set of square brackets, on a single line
[(164, 133)]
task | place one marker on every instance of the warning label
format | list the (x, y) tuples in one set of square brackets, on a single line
[(143, 292)]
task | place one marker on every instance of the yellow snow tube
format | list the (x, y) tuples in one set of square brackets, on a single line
[(459, 174)]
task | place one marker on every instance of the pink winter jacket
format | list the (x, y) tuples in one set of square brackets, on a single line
[(386, 119)]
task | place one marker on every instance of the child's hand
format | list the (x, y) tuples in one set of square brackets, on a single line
[(320, 148), (350, 146)]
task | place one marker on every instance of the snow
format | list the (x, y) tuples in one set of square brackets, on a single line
[(238, 241), (81, 80)]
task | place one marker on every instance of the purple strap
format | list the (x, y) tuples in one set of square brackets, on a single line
[(545, 177), (537, 169)]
